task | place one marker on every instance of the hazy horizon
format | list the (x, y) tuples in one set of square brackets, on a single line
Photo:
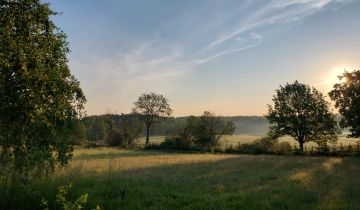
[(227, 56)]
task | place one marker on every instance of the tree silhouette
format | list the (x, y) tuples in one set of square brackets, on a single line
[(150, 107), (346, 95), (301, 112)]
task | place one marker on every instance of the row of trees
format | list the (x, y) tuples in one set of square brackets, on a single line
[(299, 111), (95, 128)]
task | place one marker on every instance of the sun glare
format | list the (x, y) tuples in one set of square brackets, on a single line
[(333, 76)]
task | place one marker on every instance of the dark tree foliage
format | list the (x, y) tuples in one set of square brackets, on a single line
[(39, 97), (78, 134), (96, 128), (346, 95), (301, 112), (150, 107), (124, 132), (206, 131)]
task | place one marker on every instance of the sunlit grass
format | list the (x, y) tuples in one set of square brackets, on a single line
[(246, 139), (135, 179)]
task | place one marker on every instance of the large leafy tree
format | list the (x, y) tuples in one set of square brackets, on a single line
[(301, 112), (207, 130), (151, 106), (40, 99), (346, 95)]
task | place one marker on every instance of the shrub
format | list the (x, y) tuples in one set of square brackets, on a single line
[(177, 142), (115, 138), (63, 201), (283, 148), (265, 145)]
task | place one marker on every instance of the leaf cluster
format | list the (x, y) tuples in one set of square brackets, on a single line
[(346, 95)]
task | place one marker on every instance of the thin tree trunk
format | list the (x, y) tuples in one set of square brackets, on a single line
[(301, 146), (147, 134)]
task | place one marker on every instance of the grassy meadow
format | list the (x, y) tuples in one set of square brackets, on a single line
[(243, 139), (138, 179)]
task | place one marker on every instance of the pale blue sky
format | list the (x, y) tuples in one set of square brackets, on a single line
[(225, 56)]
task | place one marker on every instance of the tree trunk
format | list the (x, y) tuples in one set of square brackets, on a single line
[(147, 134), (301, 146)]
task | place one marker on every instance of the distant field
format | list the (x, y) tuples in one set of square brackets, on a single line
[(236, 139), (125, 179)]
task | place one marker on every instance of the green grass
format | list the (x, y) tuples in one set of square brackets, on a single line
[(125, 179)]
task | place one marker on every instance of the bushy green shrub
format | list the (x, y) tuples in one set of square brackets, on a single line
[(177, 142), (64, 203)]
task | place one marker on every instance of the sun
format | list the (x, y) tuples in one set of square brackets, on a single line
[(333, 77)]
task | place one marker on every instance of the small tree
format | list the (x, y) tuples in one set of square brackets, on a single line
[(302, 113), (130, 128), (207, 130), (150, 107), (39, 97), (346, 95)]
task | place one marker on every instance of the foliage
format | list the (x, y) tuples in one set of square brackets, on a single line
[(131, 129), (39, 97), (123, 135), (115, 138), (175, 142), (202, 133), (171, 126), (302, 113), (150, 107), (62, 200), (96, 128), (207, 130), (78, 135), (346, 95), (265, 145)]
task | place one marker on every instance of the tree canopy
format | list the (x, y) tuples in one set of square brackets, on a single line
[(207, 130), (301, 112), (346, 95), (39, 97), (151, 106)]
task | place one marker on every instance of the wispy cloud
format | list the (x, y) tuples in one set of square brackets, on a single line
[(181, 44), (257, 40), (275, 13)]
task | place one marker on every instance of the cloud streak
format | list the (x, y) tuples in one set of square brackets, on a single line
[(188, 40)]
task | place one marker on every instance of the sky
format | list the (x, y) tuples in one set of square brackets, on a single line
[(224, 56)]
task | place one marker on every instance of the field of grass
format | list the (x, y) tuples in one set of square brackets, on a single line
[(242, 139), (131, 179)]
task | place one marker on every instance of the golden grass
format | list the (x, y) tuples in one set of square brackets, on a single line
[(100, 160), (246, 139)]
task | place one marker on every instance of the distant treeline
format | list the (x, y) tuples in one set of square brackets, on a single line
[(96, 127)]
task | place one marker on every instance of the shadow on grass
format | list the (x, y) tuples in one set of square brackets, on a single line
[(127, 153)]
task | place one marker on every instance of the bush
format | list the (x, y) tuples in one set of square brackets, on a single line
[(64, 203), (115, 138), (259, 146), (176, 142), (265, 145), (282, 148)]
